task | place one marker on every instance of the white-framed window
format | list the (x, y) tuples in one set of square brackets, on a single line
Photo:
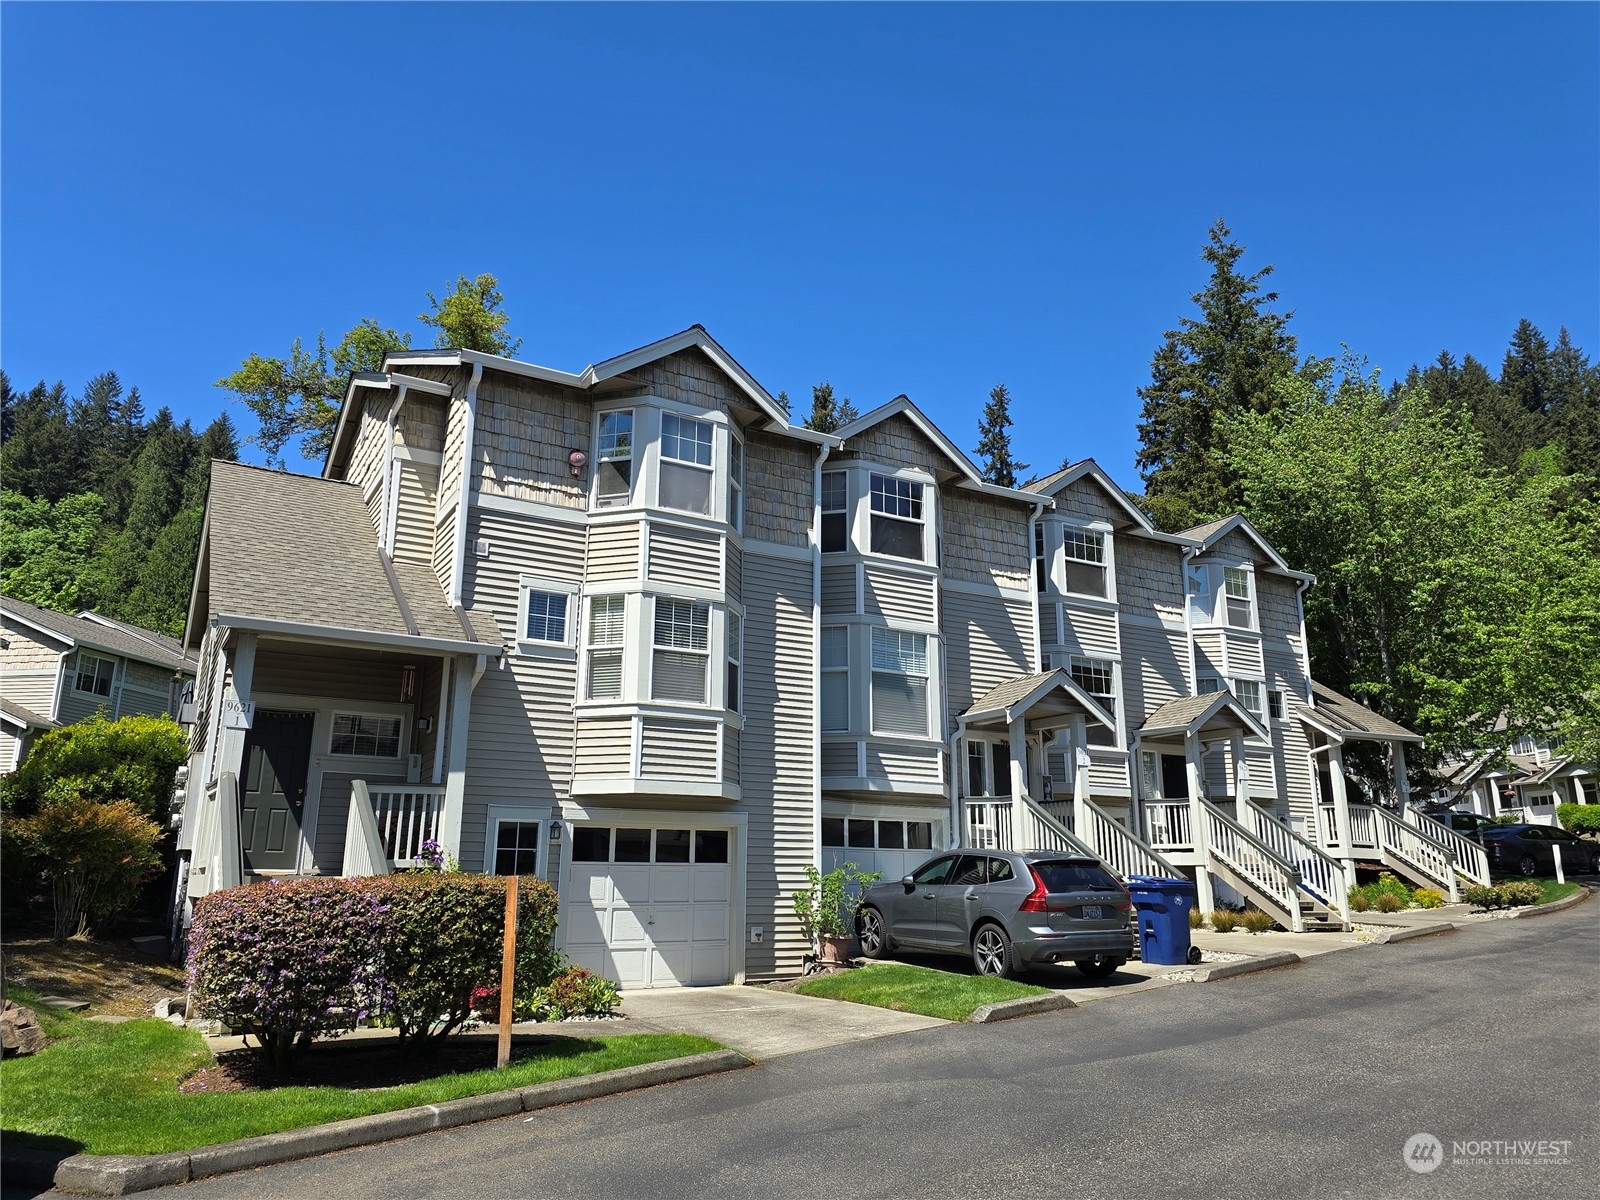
[(1098, 677), (603, 664), (613, 445), (1208, 684), (682, 650), (869, 833), (1150, 774), (1275, 704), (897, 521), (735, 483), (545, 612), (1085, 553), (1201, 596), (514, 840), (1237, 590), (735, 697), (1041, 564), (835, 511), (685, 470), (836, 677), (1249, 694), (94, 674), (988, 768), (365, 735), (899, 682)]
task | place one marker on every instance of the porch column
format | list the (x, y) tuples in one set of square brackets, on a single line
[(1341, 807), (1017, 734), (455, 785), (1197, 822), (230, 745), (1241, 777), (1080, 776), (1402, 785)]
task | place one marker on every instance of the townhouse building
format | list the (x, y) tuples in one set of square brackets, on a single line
[(631, 630)]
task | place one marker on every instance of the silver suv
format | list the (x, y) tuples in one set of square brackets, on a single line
[(1010, 910)]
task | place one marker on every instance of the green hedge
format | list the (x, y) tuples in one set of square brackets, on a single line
[(1579, 818), (287, 961)]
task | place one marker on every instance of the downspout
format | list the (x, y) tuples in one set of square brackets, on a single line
[(957, 828), (1188, 619), (390, 503), (458, 567), (1038, 636), (816, 656), (1305, 649)]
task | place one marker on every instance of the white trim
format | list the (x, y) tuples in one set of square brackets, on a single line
[(527, 584), (634, 785), (761, 549), (988, 588), (1092, 470), (430, 458), (336, 636), (531, 508), (533, 814)]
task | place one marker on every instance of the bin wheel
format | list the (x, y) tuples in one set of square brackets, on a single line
[(1194, 955)]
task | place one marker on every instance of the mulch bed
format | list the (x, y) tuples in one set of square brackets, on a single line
[(363, 1064)]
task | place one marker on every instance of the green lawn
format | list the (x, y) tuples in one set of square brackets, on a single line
[(113, 1089), (923, 990), (1553, 890)]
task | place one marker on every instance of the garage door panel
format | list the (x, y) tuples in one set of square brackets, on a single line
[(672, 885), (710, 923), (586, 925), (631, 884), (671, 924), (626, 928), (628, 967), (711, 884), (709, 964)]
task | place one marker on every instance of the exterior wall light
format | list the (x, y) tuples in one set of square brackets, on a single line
[(577, 460)]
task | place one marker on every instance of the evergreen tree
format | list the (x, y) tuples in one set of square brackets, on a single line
[(827, 413), (40, 454), (160, 598), (994, 442), (1506, 430), (1525, 375), (157, 493), (1233, 358), (1575, 413), (219, 441)]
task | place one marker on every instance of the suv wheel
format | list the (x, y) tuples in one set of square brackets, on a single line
[(1526, 865), (991, 952), (873, 934)]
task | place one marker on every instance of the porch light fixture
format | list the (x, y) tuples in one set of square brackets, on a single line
[(408, 682), (577, 460), (555, 832)]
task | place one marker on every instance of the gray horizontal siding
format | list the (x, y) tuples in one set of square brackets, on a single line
[(604, 746), (413, 530), (344, 677), (613, 552), (333, 815), (685, 557), (899, 598), (903, 764), (678, 750), (518, 546), (986, 643), (838, 588), (1092, 632)]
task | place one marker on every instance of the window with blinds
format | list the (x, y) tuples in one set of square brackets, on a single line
[(899, 682), (606, 615), (682, 651)]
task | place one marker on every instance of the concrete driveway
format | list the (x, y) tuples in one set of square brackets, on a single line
[(763, 1024)]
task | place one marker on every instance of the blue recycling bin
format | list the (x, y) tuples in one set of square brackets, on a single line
[(1161, 907)]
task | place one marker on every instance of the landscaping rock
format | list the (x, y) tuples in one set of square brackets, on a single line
[(63, 1003), (19, 1030)]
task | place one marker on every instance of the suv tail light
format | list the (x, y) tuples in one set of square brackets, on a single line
[(1034, 901), (1126, 902)]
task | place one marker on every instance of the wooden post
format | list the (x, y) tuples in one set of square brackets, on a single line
[(508, 970)]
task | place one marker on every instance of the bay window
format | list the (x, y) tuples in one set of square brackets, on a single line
[(1236, 587), (835, 511), (836, 677), (604, 667), (1085, 551), (681, 651), (686, 464), (897, 517), (732, 699), (614, 453), (899, 682), (736, 483)]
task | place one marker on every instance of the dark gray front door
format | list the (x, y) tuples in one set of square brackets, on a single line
[(272, 791)]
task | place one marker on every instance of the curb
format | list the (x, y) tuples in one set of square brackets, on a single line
[(1538, 910), (1267, 962), (122, 1174), (1413, 931), (1027, 1006)]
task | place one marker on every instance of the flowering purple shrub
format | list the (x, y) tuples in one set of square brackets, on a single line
[(275, 960)]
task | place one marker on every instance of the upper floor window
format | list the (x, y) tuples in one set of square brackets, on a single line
[(686, 464), (1248, 692), (1097, 677), (899, 682), (735, 661), (614, 450), (682, 651), (897, 517), (1275, 704), (1085, 551), (604, 667), (1236, 588), (835, 511), (1041, 564), (94, 674), (736, 483), (544, 614), (1207, 685), (836, 677)]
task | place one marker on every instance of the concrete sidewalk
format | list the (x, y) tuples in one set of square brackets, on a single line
[(761, 1023)]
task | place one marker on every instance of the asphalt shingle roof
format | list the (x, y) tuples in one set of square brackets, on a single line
[(102, 633), (1177, 714), (1004, 695), (298, 548), (25, 717), (1349, 717), (1201, 532)]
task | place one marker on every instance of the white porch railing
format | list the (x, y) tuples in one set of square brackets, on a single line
[(1471, 859), (1274, 882), (1169, 824), (363, 846), (1321, 877), (995, 825), (1363, 828), (1119, 846), (1411, 845), (407, 815)]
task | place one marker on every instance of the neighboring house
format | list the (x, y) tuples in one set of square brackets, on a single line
[(57, 668), (1529, 782), (631, 631)]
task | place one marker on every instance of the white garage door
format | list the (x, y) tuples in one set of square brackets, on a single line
[(650, 907), (889, 841)]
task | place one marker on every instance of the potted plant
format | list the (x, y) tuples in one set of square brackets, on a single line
[(827, 908)]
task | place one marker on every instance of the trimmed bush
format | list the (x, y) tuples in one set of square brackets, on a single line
[(1515, 895), (576, 992), (1482, 897), (1224, 920), (1428, 898), (1196, 918), (1388, 902), (1371, 895), (1579, 818), (133, 759), (1253, 920), (293, 960)]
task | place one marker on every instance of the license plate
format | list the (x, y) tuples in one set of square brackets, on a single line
[(1091, 912)]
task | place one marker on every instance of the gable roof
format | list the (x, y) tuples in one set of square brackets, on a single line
[(1193, 713), (283, 552), (1209, 534), (22, 718), (95, 632), (1052, 484), (971, 477), (1342, 718), (1022, 692)]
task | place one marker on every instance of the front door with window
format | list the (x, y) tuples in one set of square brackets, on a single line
[(272, 789)]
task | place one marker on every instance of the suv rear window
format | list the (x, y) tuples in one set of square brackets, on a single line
[(1075, 877)]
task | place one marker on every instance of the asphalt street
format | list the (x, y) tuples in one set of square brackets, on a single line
[(1306, 1082)]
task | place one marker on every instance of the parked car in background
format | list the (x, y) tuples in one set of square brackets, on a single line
[(1465, 823), (1008, 910), (1531, 849)]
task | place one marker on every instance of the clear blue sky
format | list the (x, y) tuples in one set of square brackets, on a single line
[(904, 198)]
